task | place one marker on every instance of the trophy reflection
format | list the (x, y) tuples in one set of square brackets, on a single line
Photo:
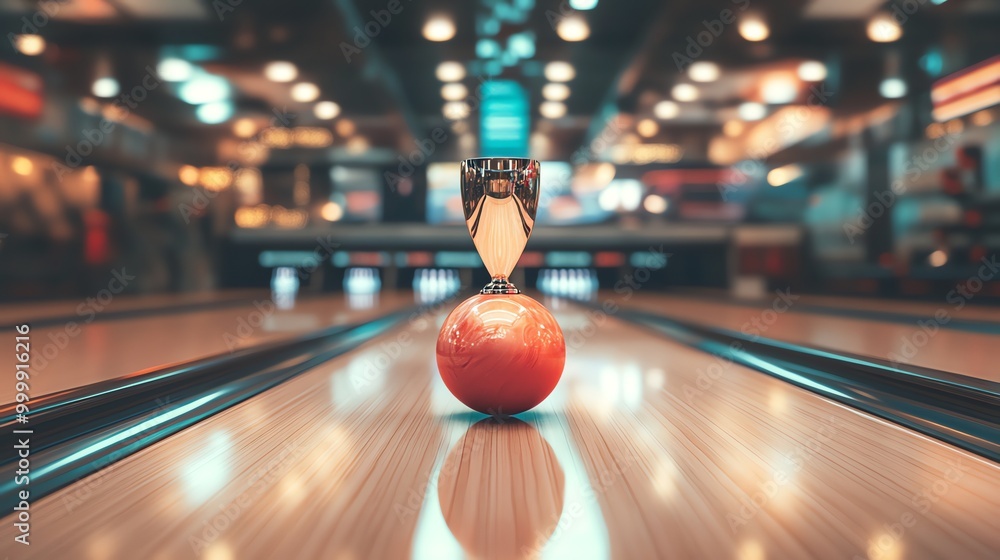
[(500, 352), (501, 490)]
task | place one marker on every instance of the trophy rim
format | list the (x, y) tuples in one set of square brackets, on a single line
[(522, 163)]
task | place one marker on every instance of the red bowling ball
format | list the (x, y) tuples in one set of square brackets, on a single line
[(501, 353)]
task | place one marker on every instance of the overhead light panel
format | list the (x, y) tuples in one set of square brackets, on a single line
[(204, 88), (450, 71), (552, 110), (281, 71), (304, 92), (30, 45), (454, 92), (753, 28), (751, 111), (455, 110), (702, 71), (105, 87), (666, 110), (573, 28), (559, 71), (647, 128), (174, 69), (555, 92), (214, 113), (684, 92), (892, 88), (812, 71), (883, 28), (439, 28), (326, 110)]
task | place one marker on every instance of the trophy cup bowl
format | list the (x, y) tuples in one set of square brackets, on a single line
[(500, 352)]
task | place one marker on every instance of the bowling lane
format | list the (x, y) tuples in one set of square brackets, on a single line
[(65, 356), (633, 456), (925, 341)]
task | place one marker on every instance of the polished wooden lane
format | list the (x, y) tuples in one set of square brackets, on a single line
[(63, 358), (925, 342), (646, 449)]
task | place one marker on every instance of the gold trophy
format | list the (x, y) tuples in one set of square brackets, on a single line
[(500, 352)]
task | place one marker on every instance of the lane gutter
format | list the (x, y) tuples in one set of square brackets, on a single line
[(953, 408)]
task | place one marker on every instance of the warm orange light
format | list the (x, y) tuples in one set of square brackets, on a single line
[(22, 166)]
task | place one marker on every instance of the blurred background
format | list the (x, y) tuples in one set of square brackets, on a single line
[(831, 146)]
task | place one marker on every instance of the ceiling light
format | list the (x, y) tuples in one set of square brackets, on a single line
[(174, 70), (439, 28), (281, 71), (751, 111), (883, 28), (704, 71), (214, 113), (552, 109), (783, 175), (345, 127), (754, 28), (326, 110), (304, 92), (559, 71), (30, 45), (244, 128), (22, 166), (555, 92), (583, 5), (573, 28), (684, 92), (450, 71), (454, 92), (733, 128), (331, 211), (655, 204), (666, 110), (892, 88), (188, 174), (455, 110), (105, 87), (647, 128), (812, 71), (778, 89), (204, 88)]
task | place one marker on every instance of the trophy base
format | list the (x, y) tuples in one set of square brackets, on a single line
[(499, 286)]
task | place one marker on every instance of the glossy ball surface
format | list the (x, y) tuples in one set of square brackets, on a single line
[(501, 354)]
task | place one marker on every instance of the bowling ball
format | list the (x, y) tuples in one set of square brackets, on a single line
[(500, 353)]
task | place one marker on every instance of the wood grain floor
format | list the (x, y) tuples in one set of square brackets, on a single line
[(647, 449), (101, 350)]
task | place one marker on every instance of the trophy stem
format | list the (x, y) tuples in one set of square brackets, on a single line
[(499, 285)]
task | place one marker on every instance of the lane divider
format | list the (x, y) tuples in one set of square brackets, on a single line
[(82, 430), (957, 409)]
